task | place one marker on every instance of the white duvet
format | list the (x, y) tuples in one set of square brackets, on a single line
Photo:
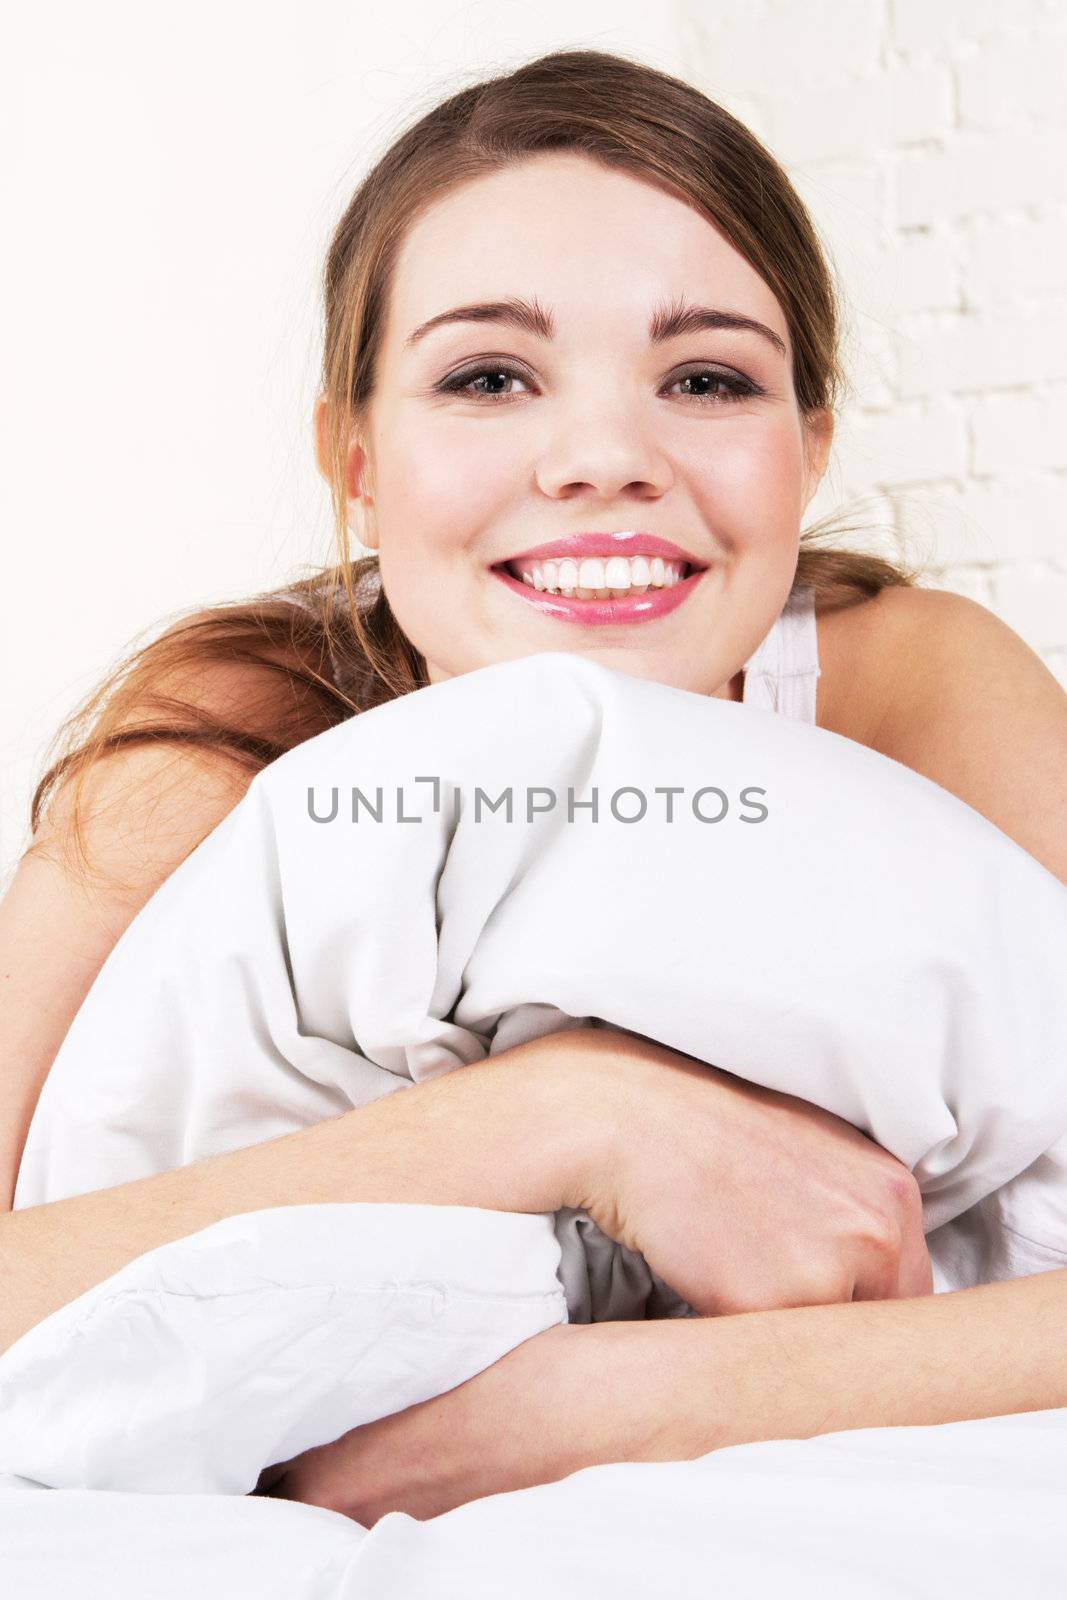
[(813, 917)]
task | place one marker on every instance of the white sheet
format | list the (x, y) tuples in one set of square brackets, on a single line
[(873, 945), (968, 1508)]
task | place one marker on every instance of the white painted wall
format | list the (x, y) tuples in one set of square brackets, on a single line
[(170, 181)]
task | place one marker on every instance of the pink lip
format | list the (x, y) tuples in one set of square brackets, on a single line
[(593, 613), (594, 544)]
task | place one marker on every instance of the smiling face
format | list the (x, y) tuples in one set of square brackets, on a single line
[(485, 438)]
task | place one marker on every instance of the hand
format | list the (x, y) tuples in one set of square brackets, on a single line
[(741, 1198), (534, 1416)]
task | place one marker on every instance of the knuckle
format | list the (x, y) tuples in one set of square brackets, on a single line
[(882, 1235), (905, 1195)]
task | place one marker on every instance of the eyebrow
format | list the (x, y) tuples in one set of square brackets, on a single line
[(668, 322)]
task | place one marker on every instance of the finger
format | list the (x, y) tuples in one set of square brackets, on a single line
[(782, 1292), (878, 1275), (900, 1273), (916, 1273)]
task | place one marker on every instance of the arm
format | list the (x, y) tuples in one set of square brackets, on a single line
[(584, 1395), (687, 1386), (413, 1146), (145, 809), (833, 1216)]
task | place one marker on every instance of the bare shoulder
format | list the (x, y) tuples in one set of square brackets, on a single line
[(862, 640), (943, 685), (889, 658), (875, 651)]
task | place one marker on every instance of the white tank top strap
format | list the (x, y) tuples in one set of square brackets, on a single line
[(782, 673)]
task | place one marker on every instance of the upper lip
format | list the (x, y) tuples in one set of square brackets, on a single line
[(630, 543)]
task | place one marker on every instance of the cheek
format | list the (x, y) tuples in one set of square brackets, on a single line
[(444, 476), (431, 502), (750, 478)]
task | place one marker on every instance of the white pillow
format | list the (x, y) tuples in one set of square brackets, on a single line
[(202, 1362), (872, 944)]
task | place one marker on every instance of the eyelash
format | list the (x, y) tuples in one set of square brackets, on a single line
[(739, 388)]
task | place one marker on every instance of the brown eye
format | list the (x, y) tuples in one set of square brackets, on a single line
[(463, 382), (736, 388)]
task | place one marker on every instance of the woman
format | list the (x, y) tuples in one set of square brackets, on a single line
[(641, 275)]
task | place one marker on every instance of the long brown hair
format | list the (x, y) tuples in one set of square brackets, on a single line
[(616, 111)]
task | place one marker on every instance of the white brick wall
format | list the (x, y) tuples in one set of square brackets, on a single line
[(928, 138)]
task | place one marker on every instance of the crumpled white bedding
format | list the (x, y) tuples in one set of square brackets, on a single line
[(871, 944), (968, 1508)]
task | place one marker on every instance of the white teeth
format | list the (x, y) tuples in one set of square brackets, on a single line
[(600, 578)]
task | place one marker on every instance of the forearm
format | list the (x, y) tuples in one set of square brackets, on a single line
[(686, 1386), (500, 1134)]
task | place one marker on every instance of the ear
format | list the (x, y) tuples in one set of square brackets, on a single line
[(356, 476), (818, 429)]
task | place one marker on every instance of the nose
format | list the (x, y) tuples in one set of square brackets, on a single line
[(603, 452)]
